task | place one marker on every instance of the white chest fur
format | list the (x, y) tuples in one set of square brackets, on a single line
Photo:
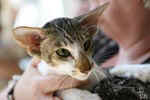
[(46, 69), (139, 71), (62, 69)]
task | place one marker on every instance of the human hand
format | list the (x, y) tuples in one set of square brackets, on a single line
[(33, 86)]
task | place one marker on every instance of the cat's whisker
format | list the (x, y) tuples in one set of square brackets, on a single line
[(96, 76)]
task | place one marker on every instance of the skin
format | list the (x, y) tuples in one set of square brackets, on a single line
[(119, 28), (33, 86), (132, 37), (42, 87)]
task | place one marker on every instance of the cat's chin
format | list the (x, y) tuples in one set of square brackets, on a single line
[(81, 76)]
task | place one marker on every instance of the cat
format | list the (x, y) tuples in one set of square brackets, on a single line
[(64, 46)]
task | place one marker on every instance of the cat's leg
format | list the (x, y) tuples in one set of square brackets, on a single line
[(139, 71), (77, 94), (146, 3)]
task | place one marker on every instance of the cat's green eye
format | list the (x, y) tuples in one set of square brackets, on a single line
[(87, 45), (63, 52)]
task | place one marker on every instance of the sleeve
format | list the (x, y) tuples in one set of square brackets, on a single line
[(7, 94), (121, 88)]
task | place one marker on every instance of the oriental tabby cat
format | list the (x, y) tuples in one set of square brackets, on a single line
[(64, 46)]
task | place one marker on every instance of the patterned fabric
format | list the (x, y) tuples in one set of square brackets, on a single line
[(121, 88)]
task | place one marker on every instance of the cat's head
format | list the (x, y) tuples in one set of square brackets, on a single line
[(64, 44)]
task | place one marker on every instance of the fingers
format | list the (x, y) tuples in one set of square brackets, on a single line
[(53, 82), (48, 83), (71, 83)]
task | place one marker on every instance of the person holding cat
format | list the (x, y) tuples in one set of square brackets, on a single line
[(132, 38)]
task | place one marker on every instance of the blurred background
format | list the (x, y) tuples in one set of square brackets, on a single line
[(13, 13)]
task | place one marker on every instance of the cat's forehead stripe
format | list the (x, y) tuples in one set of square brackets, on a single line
[(68, 28)]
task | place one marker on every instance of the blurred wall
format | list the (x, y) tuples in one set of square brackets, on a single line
[(76, 7), (37, 12), (10, 53)]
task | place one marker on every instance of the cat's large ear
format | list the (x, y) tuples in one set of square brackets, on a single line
[(29, 38), (92, 17)]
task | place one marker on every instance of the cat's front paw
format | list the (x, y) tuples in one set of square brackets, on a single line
[(77, 94), (139, 71)]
